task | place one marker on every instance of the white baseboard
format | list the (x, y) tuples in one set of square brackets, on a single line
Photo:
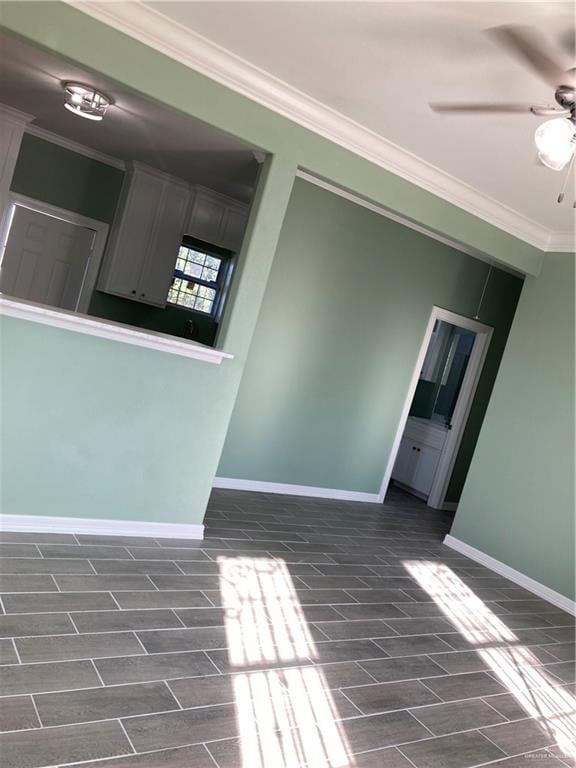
[(92, 526), (259, 486), (511, 573)]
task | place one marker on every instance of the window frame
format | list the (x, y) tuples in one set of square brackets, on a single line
[(220, 285)]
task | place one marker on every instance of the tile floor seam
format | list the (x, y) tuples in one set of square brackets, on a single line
[(33, 700), (210, 755), (410, 712), (343, 692), (102, 683), (71, 620), (494, 708), (218, 670), (121, 724), (173, 611), (481, 732), (13, 641)]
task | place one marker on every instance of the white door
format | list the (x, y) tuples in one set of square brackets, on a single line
[(45, 259)]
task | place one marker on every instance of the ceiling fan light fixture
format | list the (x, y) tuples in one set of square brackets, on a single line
[(556, 142), (85, 101)]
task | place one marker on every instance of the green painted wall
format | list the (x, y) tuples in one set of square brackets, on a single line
[(342, 321), (518, 502), (48, 172), (100, 429), (38, 353)]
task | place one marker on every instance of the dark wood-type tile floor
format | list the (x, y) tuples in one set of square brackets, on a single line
[(298, 632)]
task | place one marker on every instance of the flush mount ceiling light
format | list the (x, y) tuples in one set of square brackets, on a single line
[(85, 101)]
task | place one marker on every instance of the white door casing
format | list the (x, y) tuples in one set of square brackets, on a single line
[(459, 417), (50, 256)]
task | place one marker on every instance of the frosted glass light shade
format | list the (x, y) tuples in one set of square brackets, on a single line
[(556, 142)]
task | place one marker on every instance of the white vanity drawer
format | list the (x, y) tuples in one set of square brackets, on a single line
[(426, 432)]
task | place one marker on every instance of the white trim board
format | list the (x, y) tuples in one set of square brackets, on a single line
[(481, 330), (149, 26), (388, 214), (100, 229), (285, 489), (94, 526), (562, 602), (74, 146), (107, 329)]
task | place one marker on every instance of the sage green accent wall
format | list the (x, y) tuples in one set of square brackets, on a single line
[(137, 421), (100, 429), (343, 318), (518, 501), (71, 33), (55, 175)]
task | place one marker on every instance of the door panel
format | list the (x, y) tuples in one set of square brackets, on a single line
[(206, 219), (425, 469), (158, 271), (405, 463), (45, 259)]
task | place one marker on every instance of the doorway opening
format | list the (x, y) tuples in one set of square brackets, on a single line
[(437, 407)]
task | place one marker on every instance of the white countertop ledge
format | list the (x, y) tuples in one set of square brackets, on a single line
[(108, 329)]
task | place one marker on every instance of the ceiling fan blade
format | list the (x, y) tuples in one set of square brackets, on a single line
[(481, 108), (568, 42), (528, 46), (550, 111)]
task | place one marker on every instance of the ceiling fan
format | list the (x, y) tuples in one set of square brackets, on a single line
[(555, 139)]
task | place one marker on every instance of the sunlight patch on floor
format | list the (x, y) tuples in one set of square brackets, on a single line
[(514, 665), (286, 717)]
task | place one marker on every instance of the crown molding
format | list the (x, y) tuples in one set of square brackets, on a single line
[(151, 27), (388, 214), (562, 242)]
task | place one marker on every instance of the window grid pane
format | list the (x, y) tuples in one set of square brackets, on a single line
[(198, 264), (191, 295), (187, 293)]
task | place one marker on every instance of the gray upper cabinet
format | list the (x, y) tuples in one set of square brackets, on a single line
[(217, 219), (145, 236)]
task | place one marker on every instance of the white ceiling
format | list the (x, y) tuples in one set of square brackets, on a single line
[(380, 63), (133, 129)]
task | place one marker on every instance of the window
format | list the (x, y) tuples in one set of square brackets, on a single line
[(200, 276)]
